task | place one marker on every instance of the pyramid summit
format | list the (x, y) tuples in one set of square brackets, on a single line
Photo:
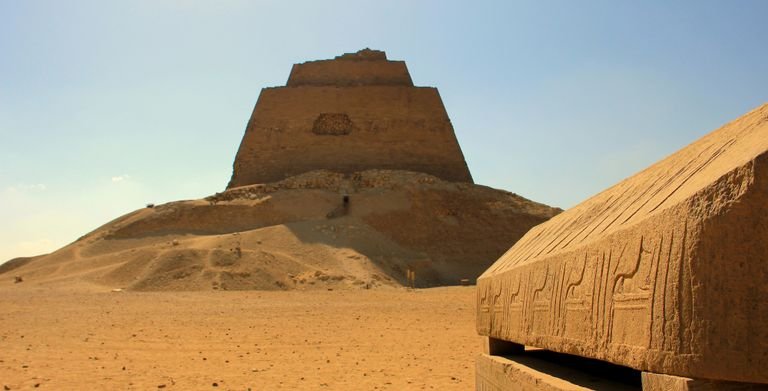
[(365, 67), (356, 112)]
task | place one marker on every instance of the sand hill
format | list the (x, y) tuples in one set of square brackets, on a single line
[(347, 177), (298, 234)]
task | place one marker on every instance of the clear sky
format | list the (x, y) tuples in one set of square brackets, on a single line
[(108, 105)]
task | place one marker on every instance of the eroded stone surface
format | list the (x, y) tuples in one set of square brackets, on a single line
[(379, 120), (659, 382), (528, 372), (665, 272), (366, 67)]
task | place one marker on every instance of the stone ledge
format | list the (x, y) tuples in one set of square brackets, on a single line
[(546, 371)]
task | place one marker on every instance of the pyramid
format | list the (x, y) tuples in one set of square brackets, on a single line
[(356, 112), (347, 178), (665, 272)]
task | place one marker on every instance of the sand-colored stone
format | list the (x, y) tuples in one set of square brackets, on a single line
[(353, 113), (366, 67), (529, 372), (659, 382), (665, 272)]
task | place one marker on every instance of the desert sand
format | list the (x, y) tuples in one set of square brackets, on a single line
[(77, 337)]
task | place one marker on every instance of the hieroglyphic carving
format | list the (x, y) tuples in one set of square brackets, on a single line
[(620, 296), (666, 271), (512, 294), (632, 290), (577, 300), (542, 281)]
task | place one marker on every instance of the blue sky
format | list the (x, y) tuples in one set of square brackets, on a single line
[(108, 105)]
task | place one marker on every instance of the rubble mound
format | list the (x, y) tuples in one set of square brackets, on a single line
[(318, 230)]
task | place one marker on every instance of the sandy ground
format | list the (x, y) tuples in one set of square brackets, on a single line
[(387, 339)]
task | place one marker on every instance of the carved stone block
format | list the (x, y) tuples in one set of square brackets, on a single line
[(666, 272)]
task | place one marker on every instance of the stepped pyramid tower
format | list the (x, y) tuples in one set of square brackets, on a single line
[(356, 112)]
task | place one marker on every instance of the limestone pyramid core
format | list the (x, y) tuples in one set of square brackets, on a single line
[(356, 112)]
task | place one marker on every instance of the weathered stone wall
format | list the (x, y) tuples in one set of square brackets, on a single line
[(348, 129), (349, 73), (665, 272), (366, 67), (354, 113)]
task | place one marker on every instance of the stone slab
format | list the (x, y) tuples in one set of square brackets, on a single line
[(529, 373), (665, 272), (660, 382)]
